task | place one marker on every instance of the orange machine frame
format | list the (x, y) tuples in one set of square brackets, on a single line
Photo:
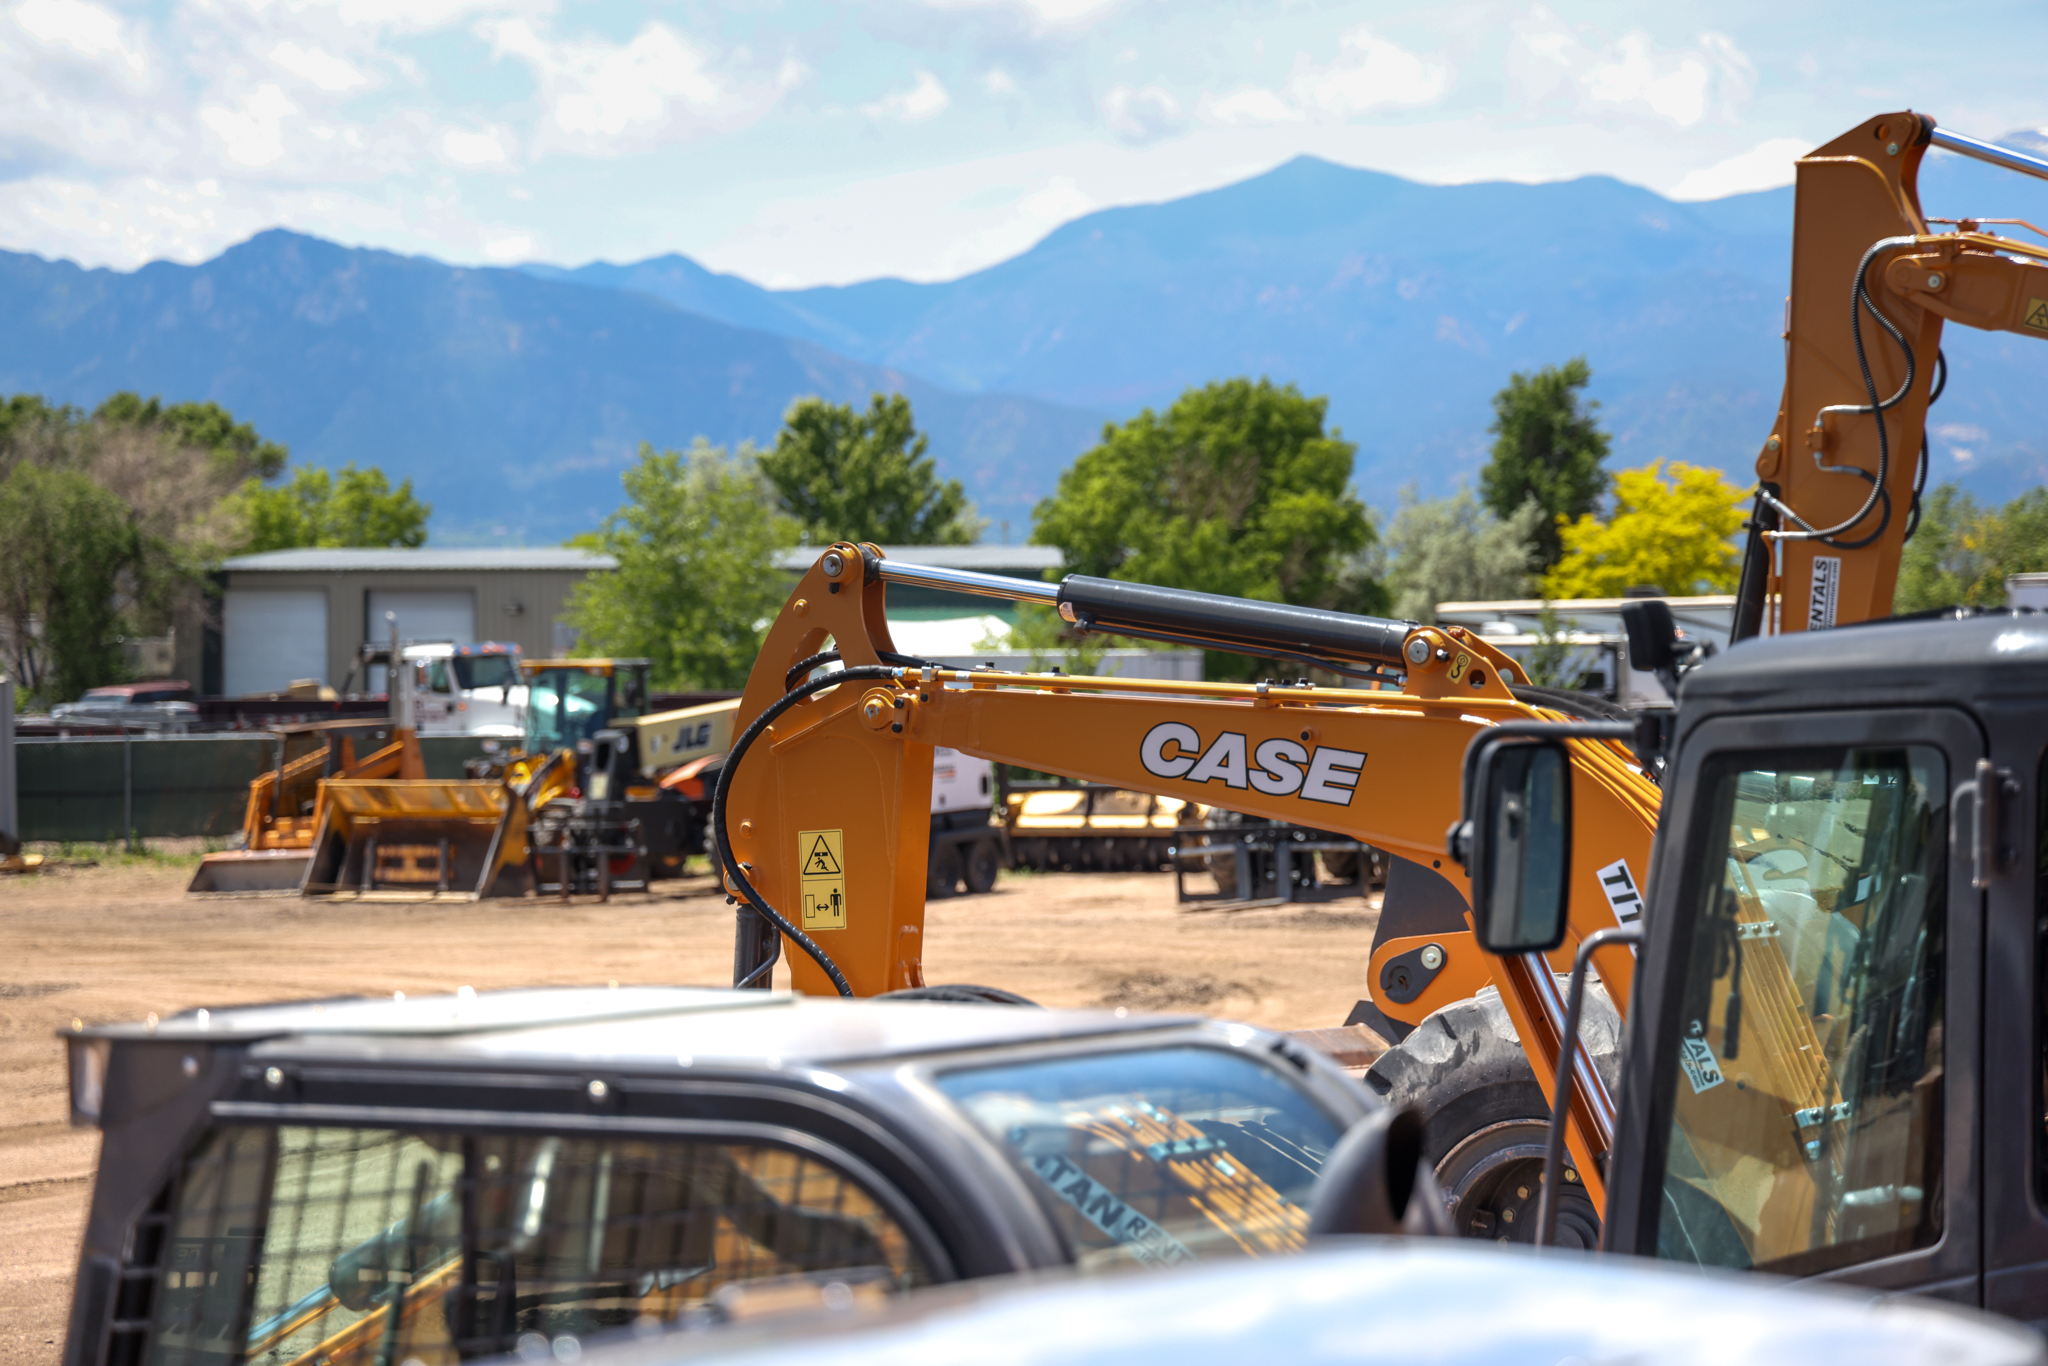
[(1856, 194), (852, 767)]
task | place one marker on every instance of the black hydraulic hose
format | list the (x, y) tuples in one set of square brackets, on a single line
[(803, 666), (1859, 300), (1920, 474), (723, 837)]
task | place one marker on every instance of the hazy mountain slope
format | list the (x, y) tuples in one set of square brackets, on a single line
[(1408, 305), (512, 401)]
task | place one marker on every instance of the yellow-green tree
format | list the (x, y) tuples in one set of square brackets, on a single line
[(1673, 527)]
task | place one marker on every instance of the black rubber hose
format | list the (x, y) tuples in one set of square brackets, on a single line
[(723, 837), (804, 666)]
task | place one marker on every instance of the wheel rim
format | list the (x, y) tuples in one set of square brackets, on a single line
[(1492, 1181)]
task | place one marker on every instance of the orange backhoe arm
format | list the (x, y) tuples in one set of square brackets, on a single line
[(1837, 489), (828, 811)]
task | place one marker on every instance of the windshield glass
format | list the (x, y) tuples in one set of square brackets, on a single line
[(485, 671), (1806, 1119), (564, 706), (1160, 1156)]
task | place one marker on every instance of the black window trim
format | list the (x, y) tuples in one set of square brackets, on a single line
[(1648, 1099)]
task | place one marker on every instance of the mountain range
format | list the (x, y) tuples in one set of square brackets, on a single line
[(513, 397)]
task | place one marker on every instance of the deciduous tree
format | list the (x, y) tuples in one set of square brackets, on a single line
[(350, 508), (71, 572), (865, 476), (1235, 489), (1455, 550), (1547, 447), (696, 585), (1673, 527)]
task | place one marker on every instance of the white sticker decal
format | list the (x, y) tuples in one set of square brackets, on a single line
[(1173, 749), (1620, 886), (1696, 1057), (1826, 592)]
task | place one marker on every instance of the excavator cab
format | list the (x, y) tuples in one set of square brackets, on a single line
[(569, 701), (1834, 1058)]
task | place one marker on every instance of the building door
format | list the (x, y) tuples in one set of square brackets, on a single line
[(271, 636), (423, 615)]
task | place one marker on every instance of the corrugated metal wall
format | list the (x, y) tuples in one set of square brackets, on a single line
[(539, 595), (73, 789)]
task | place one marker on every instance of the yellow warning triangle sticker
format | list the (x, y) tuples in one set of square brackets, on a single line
[(819, 862), (2037, 314)]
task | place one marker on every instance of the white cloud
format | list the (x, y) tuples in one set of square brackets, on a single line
[(1142, 115), (1041, 15), (85, 28), (507, 247), (466, 148), (1252, 104), (925, 98), (1763, 167), (1369, 73), (318, 67), (1548, 64), (999, 82), (253, 135), (608, 99)]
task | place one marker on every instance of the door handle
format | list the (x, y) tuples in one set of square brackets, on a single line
[(1987, 794)]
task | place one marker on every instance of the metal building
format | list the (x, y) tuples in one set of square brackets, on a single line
[(297, 614)]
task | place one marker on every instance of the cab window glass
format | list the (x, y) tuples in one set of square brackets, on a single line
[(437, 677), (566, 705), (1807, 1091), (485, 671), (298, 1245), (1158, 1157)]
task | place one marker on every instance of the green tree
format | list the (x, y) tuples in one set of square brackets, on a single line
[(232, 446), (1673, 527), (355, 507), (1456, 550), (1945, 562), (865, 476), (69, 576), (1547, 447), (695, 587), (1235, 489)]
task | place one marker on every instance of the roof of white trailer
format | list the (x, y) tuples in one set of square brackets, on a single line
[(329, 561)]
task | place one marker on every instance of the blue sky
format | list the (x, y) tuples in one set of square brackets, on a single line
[(800, 143)]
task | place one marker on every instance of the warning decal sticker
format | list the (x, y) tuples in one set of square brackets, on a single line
[(2037, 314), (821, 879)]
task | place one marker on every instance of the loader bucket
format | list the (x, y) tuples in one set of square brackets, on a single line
[(420, 836), (246, 871)]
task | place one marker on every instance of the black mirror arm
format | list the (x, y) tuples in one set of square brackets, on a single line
[(1561, 1093)]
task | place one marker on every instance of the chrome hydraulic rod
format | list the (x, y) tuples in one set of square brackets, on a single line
[(1991, 152), (967, 581)]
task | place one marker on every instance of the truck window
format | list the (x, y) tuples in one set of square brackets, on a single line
[(292, 1246), (1807, 1095), (485, 671), (1161, 1156)]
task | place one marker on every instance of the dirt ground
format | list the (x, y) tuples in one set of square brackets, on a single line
[(120, 940)]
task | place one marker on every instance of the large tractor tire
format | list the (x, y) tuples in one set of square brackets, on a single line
[(1485, 1118)]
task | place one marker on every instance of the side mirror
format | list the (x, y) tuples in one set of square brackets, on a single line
[(1519, 845), (1376, 1180), (1653, 640)]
